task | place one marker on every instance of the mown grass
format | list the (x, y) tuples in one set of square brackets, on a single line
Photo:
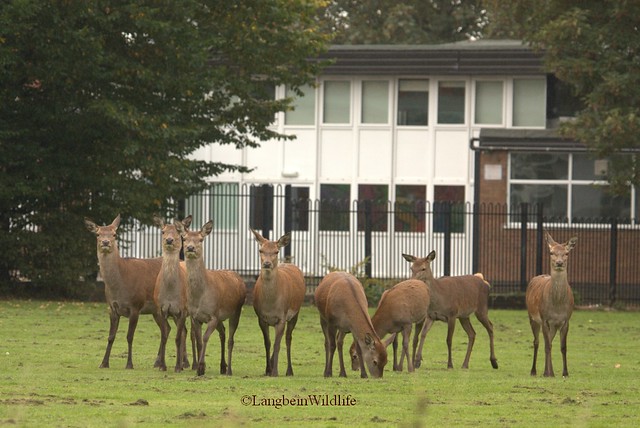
[(49, 376)]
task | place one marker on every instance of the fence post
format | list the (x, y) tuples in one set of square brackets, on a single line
[(613, 261), (475, 249), (368, 227), (446, 206), (267, 210), (288, 218), (524, 214), (539, 238)]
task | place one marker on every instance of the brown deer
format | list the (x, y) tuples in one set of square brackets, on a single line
[(401, 306), (128, 286), (213, 296), (550, 305), (342, 304), (454, 297), (170, 293), (277, 298)]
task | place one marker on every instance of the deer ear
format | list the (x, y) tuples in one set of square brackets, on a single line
[(369, 340), (549, 239), (116, 222), (432, 255), (180, 227), (259, 238), (571, 243), (409, 257), (91, 226), (284, 240), (158, 221), (207, 228), (187, 221)]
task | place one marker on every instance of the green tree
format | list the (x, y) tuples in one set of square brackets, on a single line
[(404, 22), (103, 102), (594, 47)]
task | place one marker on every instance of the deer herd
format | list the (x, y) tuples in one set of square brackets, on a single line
[(169, 287)]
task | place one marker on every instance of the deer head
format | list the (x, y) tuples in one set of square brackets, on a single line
[(192, 240), (421, 267), (269, 250), (105, 235), (559, 252)]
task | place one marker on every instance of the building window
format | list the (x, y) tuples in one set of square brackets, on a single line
[(337, 102), (304, 107), (224, 206), (488, 103), (334, 207), (375, 101), (261, 207), (569, 187), (410, 207), (373, 206), (299, 208), (451, 97), (448, 209), (529, 105), (413, 102)]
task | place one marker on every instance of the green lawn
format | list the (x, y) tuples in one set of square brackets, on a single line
[(49, 376)]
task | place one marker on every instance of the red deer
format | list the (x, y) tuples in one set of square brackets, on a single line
[(455, 297), (170, 293), (213, 296), (277, 298), (400, 307), (128, 286), (342, 304), (550, 305)]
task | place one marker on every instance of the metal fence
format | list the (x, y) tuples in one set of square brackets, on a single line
[(503, 242)]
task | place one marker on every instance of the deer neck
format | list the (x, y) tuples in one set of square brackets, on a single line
[(196, 275), (559, 285), (171, 268), (269, 281), (110, 267)]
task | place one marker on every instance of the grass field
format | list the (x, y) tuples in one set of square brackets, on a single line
[(49, 376)]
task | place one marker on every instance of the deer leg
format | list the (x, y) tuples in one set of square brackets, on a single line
[(397, 365), (363, 370), (563, 348), (329, 347), (548, 332), (291, 324), (535, 329), (195, 347), (196, 329), (484, 320), (471, 333), (340, 344), (416, 338), (158, 318), (185, 355), (222, 334), (406, 336), (450, 329), (267, 345), (114, 321), (180, 342), (211, 325), (279, 332), (428, 322), (234, 320), (165, 329), (133, 323)]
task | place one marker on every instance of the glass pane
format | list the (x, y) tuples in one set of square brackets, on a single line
[(194, 206), (334, 207), (590, 204), (413, 102), (224, 206), (376, 198), (299, 208), (448, 208), (552, 197), (539, 166), (451, 102), (488, 102), (410, 208), (529, 97), (304, 108), (375, 101), (587, 168), (337, 101)]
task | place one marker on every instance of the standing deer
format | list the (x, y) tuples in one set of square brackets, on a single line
[(213, 296), (277, 298), (170, 293), (342, 304), (401, 306), (550, 305), (454, 297), (128, 286)]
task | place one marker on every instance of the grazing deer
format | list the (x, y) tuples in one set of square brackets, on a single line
[(342, 304), (128, 286), (550, 305), (213, 296), (277, 297), (401, 306), (454, 297), (170, 294)]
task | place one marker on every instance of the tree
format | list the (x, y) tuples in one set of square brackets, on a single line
[(404, 22), (102, 104), (594, 46)]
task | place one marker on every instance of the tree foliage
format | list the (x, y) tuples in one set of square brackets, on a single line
[(404, 22), (102, 104)]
